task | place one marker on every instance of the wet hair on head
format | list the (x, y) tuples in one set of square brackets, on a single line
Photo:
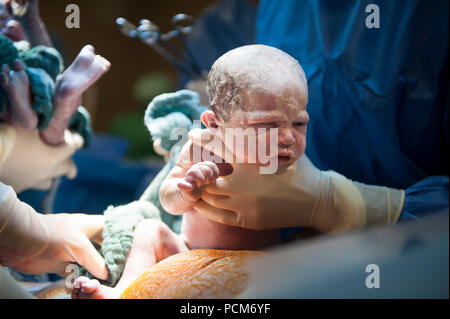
[(238, 70)]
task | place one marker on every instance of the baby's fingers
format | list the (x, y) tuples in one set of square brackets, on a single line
[(188, 191), (195, 177), (210, 171), (185, 186)]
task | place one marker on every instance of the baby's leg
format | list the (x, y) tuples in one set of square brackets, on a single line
[(153, 241), (85, 70)]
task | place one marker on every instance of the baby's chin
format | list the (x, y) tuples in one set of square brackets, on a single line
[(280, 162)]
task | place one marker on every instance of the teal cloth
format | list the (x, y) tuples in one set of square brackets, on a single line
[(164, 114), (45, 58), (8, 54), (81, 123), (171, 111), (120, 222), (43, 65), (41, 87)]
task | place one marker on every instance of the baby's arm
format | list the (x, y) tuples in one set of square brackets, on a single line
[(182, 187)]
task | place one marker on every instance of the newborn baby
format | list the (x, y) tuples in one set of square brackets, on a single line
[(256, 87)]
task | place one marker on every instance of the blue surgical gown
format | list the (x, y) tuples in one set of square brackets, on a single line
[(378, 97)]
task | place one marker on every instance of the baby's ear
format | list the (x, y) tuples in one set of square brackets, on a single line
[(210, 119)]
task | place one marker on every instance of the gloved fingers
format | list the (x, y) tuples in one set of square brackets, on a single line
[(90, 225), (73, 142), (216, 214), (219, 188), (66, 168), (71, 169), (217, 201), (42, 266), (85, 254)]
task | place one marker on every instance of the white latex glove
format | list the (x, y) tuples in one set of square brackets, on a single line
[(301, 195), (36, 243), (27, 162), (10, 288)]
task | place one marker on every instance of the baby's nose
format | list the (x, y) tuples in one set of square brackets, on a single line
[(285, 136)]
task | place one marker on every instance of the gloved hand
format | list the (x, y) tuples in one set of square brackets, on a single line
[(301, 195), (35, 243), (27, 162)]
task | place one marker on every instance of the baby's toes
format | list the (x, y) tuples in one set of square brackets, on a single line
[(90, 286), (89, 289), (102, 63), (18, 65), (77, 286)]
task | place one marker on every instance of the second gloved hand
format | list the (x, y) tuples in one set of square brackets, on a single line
[(30, 163), (302, 195), (35, 243)]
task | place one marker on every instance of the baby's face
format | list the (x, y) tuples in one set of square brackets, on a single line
[(278, 106)]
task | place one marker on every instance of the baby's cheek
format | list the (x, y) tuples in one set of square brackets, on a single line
[(301, 144)]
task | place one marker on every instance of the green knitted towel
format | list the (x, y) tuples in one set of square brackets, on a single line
[(8, 54), (120, 223), (81, 123), (43, 65), (164, 114), (41, 87), (171, 111), (45, 58)]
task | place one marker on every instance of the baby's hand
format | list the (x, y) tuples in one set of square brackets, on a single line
[(199, 174)]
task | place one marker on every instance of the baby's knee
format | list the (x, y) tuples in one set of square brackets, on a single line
[(153, 228), (149, 226)]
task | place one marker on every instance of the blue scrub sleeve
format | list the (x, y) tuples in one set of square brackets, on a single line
[(429, 196)]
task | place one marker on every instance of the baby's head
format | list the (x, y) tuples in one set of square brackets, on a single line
[(260, 87)]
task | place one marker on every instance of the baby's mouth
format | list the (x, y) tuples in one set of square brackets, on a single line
[(284, 157)]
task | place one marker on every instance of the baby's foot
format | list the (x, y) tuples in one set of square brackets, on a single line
[(77, 78), (16, 84), (86, 288)]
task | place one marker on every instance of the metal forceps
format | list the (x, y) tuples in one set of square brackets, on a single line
[(149, 33)]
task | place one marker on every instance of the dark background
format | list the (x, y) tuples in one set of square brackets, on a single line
[(113, 94)]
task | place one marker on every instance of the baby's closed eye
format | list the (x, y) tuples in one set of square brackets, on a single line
[(299, 124), (264, 125)]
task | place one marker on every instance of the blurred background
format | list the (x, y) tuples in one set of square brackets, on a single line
[(138, 73), (118, 99)]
